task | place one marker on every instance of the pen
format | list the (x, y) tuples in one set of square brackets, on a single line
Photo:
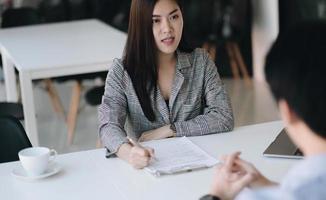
[(109, 154), (133, 143)]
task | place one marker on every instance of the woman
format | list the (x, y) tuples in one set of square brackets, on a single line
[(160, 88)]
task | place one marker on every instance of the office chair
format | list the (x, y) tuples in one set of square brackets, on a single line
[(113, 12), (219, 26), (94, 98), (12, 139), (224, 34), (116, 14), (94, 95), (13, 17), (12, 109), (54, 10), (75, 98)]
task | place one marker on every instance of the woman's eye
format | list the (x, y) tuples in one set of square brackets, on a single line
[(155, 21), (174, 17)]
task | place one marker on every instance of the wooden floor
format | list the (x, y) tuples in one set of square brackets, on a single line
[(251, 105)]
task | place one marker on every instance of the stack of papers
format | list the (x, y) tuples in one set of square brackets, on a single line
[(177, 155)]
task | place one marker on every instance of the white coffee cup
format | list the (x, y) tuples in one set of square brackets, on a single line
[(35, 160)]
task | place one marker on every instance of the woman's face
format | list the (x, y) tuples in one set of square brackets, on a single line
[(167, 26)]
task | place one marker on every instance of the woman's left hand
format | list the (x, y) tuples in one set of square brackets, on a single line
[(159, 133)]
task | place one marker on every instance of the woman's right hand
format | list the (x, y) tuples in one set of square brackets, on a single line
[(139, 157), (136, 155)]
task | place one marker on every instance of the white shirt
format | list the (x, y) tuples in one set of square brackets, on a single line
[(306, 181)]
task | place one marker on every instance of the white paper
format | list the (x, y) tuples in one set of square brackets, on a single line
[(176, 155)]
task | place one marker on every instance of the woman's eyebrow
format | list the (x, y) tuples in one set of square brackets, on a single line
[(175, 10)]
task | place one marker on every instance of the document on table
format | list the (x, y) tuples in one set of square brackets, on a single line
[(174, 155)]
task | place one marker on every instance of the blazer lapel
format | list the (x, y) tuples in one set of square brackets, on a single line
[(161, 106), (182, 63), (176, 86)]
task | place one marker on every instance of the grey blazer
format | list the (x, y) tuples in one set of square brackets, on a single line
[(198, 104)]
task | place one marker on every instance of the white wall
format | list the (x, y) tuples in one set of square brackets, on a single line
[(265, 27)]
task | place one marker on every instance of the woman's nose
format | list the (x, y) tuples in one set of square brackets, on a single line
[(166, 26)]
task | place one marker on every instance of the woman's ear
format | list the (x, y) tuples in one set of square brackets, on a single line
[(287, 114)]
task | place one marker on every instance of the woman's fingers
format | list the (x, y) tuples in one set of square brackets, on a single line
[(150, 151), (142, 138), (140, 157)]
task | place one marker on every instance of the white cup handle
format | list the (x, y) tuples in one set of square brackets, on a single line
[(53, 155)]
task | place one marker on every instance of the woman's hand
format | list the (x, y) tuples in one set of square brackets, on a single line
[(137, 156), (159, 133)]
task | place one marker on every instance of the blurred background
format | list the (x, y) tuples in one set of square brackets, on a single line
[(236, 33)]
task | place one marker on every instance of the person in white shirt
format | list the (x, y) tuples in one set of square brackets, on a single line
[(295, 71)]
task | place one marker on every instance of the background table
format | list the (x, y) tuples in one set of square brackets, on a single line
[(52, 50), (88, 175)]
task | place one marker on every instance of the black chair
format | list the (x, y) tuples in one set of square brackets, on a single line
[(54, 10), (12, 139), (13, 17), (75, 98), (12, 109), (94, 95), (112, 12), (223, 33)]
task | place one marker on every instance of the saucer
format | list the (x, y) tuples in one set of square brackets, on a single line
[(19, 172)]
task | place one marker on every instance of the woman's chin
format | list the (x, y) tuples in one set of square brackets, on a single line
[(168, 50)]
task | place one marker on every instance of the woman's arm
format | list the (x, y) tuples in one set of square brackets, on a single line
[(217, 115), (112, 117), (113, 109)]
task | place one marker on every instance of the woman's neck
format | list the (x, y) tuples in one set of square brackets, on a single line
[(166, 60)]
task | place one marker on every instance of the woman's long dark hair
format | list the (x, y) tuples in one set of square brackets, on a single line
[(140, 54)]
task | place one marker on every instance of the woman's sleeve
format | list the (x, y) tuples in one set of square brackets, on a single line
[(217, 115), (113, 109)]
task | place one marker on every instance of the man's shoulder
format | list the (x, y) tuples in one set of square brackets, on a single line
[(313, 188)]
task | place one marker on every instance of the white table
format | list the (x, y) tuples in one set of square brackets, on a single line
[(52, 50), (88, 175)]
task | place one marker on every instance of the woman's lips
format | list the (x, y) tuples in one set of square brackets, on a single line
[(168, 41)]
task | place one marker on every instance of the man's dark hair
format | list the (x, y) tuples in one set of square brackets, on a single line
[(295, 71)]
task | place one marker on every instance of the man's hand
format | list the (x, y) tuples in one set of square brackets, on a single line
[(230, 178), (259, 180), (159, 133)]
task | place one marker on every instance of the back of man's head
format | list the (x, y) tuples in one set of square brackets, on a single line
[(295, 70)]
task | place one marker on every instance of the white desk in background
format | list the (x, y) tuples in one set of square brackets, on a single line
[(88, 175), (52, 50)]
